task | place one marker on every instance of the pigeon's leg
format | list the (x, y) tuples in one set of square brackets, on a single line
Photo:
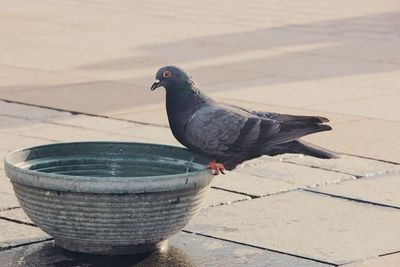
[(217, 167)]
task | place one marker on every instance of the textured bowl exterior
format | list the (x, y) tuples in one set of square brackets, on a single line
[(110, 223)]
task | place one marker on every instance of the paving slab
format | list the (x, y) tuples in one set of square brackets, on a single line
[(373, 50), (31, 113), (96, 123), (11, 128), (220, 90), (50, 58), (373, 138), (16, 214), (156, 116), (78, 127), (264, 160), (104, 96), (309, 68), (378, 189), (378, 80), (88, 28), (8, 200), (347, 164), (251, 184), (5, 184), (292, 93), (10, 124), (12, 234), (15, 79), (217, 197), (142, 108), (185, 249), (379, 107), (392, 260), (156, 134), (307, 224), (294, 174), (67, 133), (59, 132)]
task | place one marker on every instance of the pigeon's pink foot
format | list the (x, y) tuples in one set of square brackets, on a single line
[(217, 167)]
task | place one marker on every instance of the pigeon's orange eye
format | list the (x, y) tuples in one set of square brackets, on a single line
[(166, 74)]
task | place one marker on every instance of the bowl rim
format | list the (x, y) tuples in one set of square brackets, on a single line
[(112, 185)]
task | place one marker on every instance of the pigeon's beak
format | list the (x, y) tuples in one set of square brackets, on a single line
[(155, 85)]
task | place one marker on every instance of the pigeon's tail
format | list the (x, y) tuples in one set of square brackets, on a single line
[(299, 147)]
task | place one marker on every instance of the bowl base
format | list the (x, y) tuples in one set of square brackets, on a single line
[(110, 249)]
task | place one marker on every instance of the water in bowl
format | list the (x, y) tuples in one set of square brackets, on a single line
[(111, 166)]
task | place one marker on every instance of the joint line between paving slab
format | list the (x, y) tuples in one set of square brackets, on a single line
[(17, 221), (225, 203), (73, 112), (360, 261), (10, 208), (236, 192), (300, 188), (322, 168), (26, 244), (265, 195), (258, 247), (250, 195), (365, 157), (353, 199), (389, 253), (351, 177), (382, 172)]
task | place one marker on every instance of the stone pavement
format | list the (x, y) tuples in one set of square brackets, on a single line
[(81, 70)]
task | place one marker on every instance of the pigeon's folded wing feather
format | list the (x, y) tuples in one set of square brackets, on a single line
[(292, 127), (283, 117), (225, 131)]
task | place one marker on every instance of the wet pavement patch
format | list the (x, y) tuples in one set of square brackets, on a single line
[(185, 249)]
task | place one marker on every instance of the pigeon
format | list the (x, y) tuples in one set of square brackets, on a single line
[(229, 135)]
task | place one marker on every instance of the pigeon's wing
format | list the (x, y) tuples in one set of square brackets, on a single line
[(292, 127), (224, 131), (290, 118), (283, 117)]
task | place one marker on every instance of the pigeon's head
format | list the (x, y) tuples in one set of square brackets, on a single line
[(172, 78)]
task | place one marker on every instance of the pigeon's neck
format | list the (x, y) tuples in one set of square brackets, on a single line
[(181, 105)]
